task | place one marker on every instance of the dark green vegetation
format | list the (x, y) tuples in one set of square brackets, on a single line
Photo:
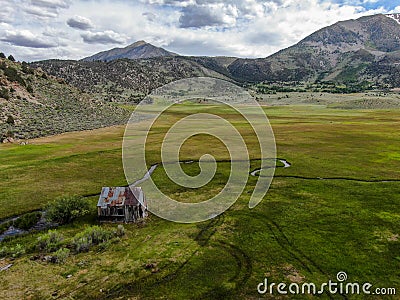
[(336, 209), (55, 248), (24, 222), (346, 57), (53, 241), (66, 209), (349, 87), (33, 104)]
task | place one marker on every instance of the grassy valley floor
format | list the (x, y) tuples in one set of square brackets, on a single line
[(337, 208)]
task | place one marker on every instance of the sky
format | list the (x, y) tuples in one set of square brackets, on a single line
[(72, 29)]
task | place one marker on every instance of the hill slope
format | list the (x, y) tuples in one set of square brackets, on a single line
[(137, 50), (34, 104), (125, 80)]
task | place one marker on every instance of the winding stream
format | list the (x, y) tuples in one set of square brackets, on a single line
[(148, 174), (286, 164)]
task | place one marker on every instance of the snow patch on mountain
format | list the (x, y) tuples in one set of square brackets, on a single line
[(395, 17)]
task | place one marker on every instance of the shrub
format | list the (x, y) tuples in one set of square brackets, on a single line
[(120, 231), (91, 236), (61, 255), (5, 226), (26, 221), (66, 209), (81, 244), (12, 75), (29, 88), (10, 57), (2, 55), (50, 241), (4, 93), (9, 134), (3, 251), (26, 69), (14, 252), (17, 251)]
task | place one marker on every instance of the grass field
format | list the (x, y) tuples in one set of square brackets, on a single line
[(337, 208)]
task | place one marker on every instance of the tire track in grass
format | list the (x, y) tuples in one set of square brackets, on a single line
[(296, 248), (288, 246), (202, 238), (239, 279), (283, 241), (302, 254), (244, 263)]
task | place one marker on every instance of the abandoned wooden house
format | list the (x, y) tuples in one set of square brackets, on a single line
[(122, 204)]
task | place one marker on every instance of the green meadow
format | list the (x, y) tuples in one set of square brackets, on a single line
[(337, 208)]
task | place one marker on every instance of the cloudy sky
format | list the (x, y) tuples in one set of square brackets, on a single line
[(72, 29)]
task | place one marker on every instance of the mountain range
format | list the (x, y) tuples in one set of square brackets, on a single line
[(364, 51)]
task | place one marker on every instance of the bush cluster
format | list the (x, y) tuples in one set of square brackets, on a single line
[(12, 74), (61, 255), (28, 220), (90, 237), (64, 210), (4, 226), (49, 242), (4, 93), (120, 231), (14, 252), (26, 69), (25, 222), (58, 247)]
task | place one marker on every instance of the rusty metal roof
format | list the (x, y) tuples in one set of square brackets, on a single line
[(120, 196)]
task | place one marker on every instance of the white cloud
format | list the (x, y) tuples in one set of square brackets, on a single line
[(40, 12), (6, 12), (25, 38), (396, 10), (104, 37), (150, 16), (51, 4), (80, 23), (215, 14), (176, 3), (44, 8)]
